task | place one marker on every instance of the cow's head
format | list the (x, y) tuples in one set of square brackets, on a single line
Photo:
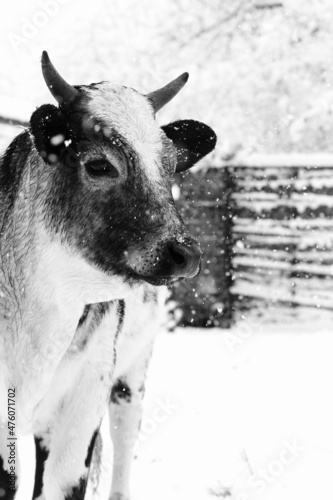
[(113, 167)]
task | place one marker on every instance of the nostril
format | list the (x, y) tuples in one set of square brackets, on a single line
[(178, 256)]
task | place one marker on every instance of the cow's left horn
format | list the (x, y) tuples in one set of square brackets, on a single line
[(59, 88), (162, 96)]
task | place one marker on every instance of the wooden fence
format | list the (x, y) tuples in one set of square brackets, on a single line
[(265, 224), (283, 237)]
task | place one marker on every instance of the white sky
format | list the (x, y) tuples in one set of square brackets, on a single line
[(64, 29), (36, 30)]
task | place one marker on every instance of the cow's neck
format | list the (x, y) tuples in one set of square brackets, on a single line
[(44, 288)]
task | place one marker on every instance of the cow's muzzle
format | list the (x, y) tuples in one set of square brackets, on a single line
[(182, 260), (168, 262)]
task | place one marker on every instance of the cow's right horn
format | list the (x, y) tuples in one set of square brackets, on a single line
[(162, 96), (59, 88)]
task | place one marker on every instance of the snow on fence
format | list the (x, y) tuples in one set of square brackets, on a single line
[(283, 236)]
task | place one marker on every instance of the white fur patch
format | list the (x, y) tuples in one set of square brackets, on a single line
[(73, 279), (62, 284), (130, 113)]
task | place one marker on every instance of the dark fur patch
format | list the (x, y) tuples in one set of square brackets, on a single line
[(121, 306), (121, 315), (41, 457), (50, 131), (90, 449), (120, 392), (78, 492), (7, 491), (90, 320), (193, 140), (84, 316)]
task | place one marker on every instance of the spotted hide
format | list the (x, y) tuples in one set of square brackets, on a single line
[(90, 239)]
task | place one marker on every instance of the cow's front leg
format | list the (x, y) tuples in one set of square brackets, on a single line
[(72, 439), (86, 376), (42, 453), (125, 411)]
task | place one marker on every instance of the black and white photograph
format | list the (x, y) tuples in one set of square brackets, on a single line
[(166, 249)]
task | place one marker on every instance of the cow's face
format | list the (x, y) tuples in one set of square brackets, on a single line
[(112, 169)]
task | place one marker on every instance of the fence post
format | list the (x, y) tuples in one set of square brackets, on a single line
[(206, 206), (225, 248)]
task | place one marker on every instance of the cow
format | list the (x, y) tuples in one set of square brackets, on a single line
[(90, 239)]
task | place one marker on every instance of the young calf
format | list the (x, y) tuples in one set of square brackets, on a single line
[(89, 229)]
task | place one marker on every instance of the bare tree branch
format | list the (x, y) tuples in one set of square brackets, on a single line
[(268, 4), (242, 7)]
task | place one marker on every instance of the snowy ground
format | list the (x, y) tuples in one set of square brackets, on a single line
[(249, 415), (239, 406)]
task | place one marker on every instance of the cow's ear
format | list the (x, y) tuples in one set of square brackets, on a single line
[(193, 140), (50, 131)]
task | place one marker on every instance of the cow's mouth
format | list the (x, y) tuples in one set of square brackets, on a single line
[(158, 281), (136, 278)]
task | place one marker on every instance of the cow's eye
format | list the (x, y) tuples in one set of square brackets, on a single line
[(98, 168)]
